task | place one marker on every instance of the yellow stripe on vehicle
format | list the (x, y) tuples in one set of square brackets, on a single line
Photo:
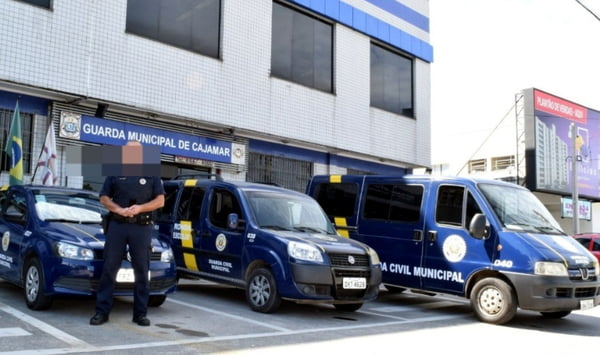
[(188, 242), (335, 179), (341, 222), (190, 182)]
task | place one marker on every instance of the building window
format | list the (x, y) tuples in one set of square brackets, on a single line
[(302, 48), (391, 81), (477, 165), (41, 3), (26, 137), (289, 173), (501, 163), (189, 24)]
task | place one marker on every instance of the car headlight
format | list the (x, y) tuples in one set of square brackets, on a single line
[(303, 251), (166, 256), (547, 268), (71, 251), (373, 256)]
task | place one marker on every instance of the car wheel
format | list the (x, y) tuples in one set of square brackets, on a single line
[(493, 301), (261, 291), (33, 287), (156, 300), (348, 307), (555, 315)]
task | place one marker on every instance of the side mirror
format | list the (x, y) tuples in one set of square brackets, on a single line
[(232, 221), (478, 228)]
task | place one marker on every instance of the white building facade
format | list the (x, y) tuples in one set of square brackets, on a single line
[(288, 89)]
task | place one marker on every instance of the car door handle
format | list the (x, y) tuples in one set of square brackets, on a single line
[(417, 235), (431, 236)]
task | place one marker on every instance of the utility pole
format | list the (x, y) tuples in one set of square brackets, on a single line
[(575, 193)]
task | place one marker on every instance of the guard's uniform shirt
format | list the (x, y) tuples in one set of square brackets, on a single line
[(131, 235)]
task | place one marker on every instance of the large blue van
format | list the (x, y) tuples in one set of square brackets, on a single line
[(490, 241)]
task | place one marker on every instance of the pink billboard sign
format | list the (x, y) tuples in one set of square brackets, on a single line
[(559, 107)]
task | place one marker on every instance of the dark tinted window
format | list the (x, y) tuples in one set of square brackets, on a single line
[(584, 241), (337, 199), (166, 212), (222, 204), (449, 205), (190, 204), (41, 3), (596, 245), (391, 81), (393, 202), (405, 205), (188, 24), (377, 203), (301, 48)]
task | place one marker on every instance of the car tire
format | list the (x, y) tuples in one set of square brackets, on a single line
[(555, 315), (156, 300), (34, 286), (493, 301), (261, 291), (348, 307)]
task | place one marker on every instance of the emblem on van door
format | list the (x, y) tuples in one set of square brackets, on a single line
[(454, 248), (221, 242), (5, 240), (351, 260)]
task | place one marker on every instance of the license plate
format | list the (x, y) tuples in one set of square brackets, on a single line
[(354, 283), (586, 304), (125, 275)]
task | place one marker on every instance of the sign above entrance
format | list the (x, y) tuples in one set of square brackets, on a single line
[(104, 131)]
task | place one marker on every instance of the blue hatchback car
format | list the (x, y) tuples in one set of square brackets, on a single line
[(52, 244)]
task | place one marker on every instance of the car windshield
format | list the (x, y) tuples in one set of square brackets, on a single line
[(65, 206), (288, 212), (518, 209)]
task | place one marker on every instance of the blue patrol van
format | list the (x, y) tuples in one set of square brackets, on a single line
[(490, 241), (275, 243)]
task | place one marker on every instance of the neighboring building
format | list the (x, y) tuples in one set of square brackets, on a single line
[(260, 90)]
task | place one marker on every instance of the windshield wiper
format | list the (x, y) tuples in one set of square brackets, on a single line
[(65, 220), (309, 229), (549, 229), (274, 226)]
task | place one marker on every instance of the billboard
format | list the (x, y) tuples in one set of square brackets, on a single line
[(550, 122)]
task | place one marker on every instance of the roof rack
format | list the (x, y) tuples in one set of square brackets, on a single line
[(199, 175)]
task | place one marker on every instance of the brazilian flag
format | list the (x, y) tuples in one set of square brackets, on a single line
[(14, 149)]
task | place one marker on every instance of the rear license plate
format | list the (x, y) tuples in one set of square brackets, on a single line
[(354, 283), (586, 304)]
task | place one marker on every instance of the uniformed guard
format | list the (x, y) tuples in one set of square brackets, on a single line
[(130, 201)]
